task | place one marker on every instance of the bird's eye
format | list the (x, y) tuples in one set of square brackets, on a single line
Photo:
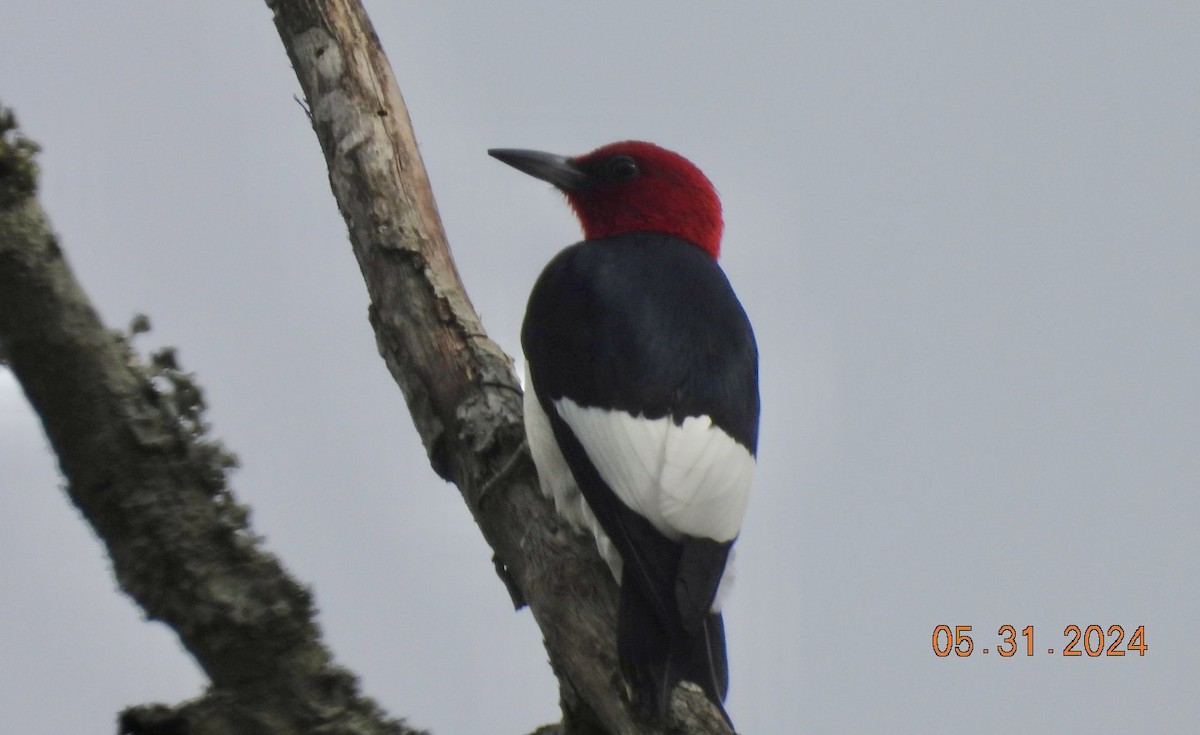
[(622, 168)]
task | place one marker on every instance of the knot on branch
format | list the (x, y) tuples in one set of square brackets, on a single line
[(491, 427)]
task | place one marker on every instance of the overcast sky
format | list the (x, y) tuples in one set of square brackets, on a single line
[(966, 234)]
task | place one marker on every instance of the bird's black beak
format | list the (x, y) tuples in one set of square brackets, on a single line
[(558, 170)]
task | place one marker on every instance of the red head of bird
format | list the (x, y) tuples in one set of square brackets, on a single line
[(631, 186)]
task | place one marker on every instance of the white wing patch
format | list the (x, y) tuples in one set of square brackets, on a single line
[(691, 479), (688, 479), (556, 480)]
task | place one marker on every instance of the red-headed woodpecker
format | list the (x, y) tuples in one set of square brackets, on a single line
[(641, 401)]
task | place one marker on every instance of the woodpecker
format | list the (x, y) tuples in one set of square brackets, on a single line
[(641, 401)]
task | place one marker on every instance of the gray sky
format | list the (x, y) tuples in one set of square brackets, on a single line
[(966, 235)]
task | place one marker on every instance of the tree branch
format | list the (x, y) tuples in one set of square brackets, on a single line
[(460, 387), (133, 446)]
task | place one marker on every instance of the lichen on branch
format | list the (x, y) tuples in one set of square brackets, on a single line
[(142, 467)]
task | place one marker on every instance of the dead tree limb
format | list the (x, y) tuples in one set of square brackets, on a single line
[(460, 387)]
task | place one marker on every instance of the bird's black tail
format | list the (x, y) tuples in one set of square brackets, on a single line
[(654, 659)]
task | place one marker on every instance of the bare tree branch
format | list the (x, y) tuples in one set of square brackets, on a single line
[(133, 446), (460, 387)]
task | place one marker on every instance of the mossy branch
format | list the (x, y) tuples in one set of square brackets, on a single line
[(140, 465)]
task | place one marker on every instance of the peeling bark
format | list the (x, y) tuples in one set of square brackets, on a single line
[(461, 390)]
